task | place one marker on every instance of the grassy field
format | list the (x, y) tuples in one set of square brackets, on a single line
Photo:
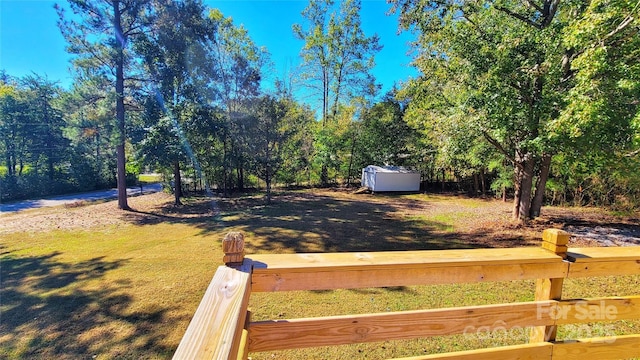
[(149, 178), (94, 282)]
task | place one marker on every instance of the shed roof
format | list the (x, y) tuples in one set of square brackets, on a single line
[(389, 169)]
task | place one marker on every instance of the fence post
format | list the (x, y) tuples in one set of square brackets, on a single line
[(550, 289), (233, 248), (217, 327)]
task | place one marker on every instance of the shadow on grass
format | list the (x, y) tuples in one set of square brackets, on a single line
[(49, 310), (312, 222)]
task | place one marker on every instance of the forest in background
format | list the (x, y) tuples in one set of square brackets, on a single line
[(536, 101)]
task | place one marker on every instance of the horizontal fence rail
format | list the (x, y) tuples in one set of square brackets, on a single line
[(221, 327)]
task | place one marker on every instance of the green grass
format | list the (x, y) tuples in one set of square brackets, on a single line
[(129, 291), (149, 178), (279, 306), (118, 291)]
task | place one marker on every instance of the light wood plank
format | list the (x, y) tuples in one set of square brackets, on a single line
[(601, 348), (550, 287), (216, 328), (546, 289), (398, 275), (595, 254), (350, 329), (597, 309), (243, 349), (406, 259), (604, 268), (556, 236), (515, 352)]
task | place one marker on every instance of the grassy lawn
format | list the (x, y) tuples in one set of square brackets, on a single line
[(100, 283), (149, 178)]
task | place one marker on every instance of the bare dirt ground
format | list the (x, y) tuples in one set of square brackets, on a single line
[(479, 222), (86, 215)]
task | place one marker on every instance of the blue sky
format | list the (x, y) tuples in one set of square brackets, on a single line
[(31, 42)]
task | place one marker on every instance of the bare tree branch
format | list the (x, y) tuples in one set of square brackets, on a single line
[(534, 5), (633, 153), (628, 20), (501, 148), (549, 11), (520, 17)]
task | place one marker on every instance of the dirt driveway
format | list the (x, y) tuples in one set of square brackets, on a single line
[(477, 222)]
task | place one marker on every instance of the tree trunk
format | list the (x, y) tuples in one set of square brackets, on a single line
[(225, 191), (483, 182), (517, 181), (10, 168), (240, 171), (538, 198), (177, 181), (353, 148), (526, 183), (267, 181), (121, 178), (476, 184), (120, 155), (324, 176)]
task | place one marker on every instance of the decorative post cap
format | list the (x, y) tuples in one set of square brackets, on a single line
[(556, 240), (233, 248)]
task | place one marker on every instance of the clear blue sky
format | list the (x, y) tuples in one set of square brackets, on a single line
[(31, 42)]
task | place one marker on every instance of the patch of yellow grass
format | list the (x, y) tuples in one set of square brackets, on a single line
[(129, 289)]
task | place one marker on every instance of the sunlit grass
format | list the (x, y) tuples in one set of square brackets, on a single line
[(129, 291), (149, 178), (289, 305), (117, 290)]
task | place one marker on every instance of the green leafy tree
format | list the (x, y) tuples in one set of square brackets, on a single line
[(90, 114), (238, 63), (13, 121), (517, 72), (385, 130), (269, 133), (45, 124), (337, 60), (176, 57)]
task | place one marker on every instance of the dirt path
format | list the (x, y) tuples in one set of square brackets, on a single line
[(75, 198), (475, 221)]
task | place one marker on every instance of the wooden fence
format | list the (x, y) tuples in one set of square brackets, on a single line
[(221, 327)]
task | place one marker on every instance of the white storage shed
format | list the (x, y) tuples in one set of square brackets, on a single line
[(390, 178)]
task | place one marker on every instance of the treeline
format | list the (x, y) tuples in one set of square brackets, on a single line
[(190, 86), (516, 101)]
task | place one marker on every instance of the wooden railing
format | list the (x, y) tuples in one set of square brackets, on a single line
[(221, 327)]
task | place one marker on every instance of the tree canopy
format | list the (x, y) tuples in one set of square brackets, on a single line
[(535, 100), (528, 79)]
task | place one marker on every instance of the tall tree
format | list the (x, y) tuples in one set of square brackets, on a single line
[(89, 113), (238, 63), (269, 133), (13, 119), (175, 54), (385, 129), (45, 123), (99, 34), (337, 56), (515, 69)]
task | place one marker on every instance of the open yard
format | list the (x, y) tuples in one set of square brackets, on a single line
[(89, 281)]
